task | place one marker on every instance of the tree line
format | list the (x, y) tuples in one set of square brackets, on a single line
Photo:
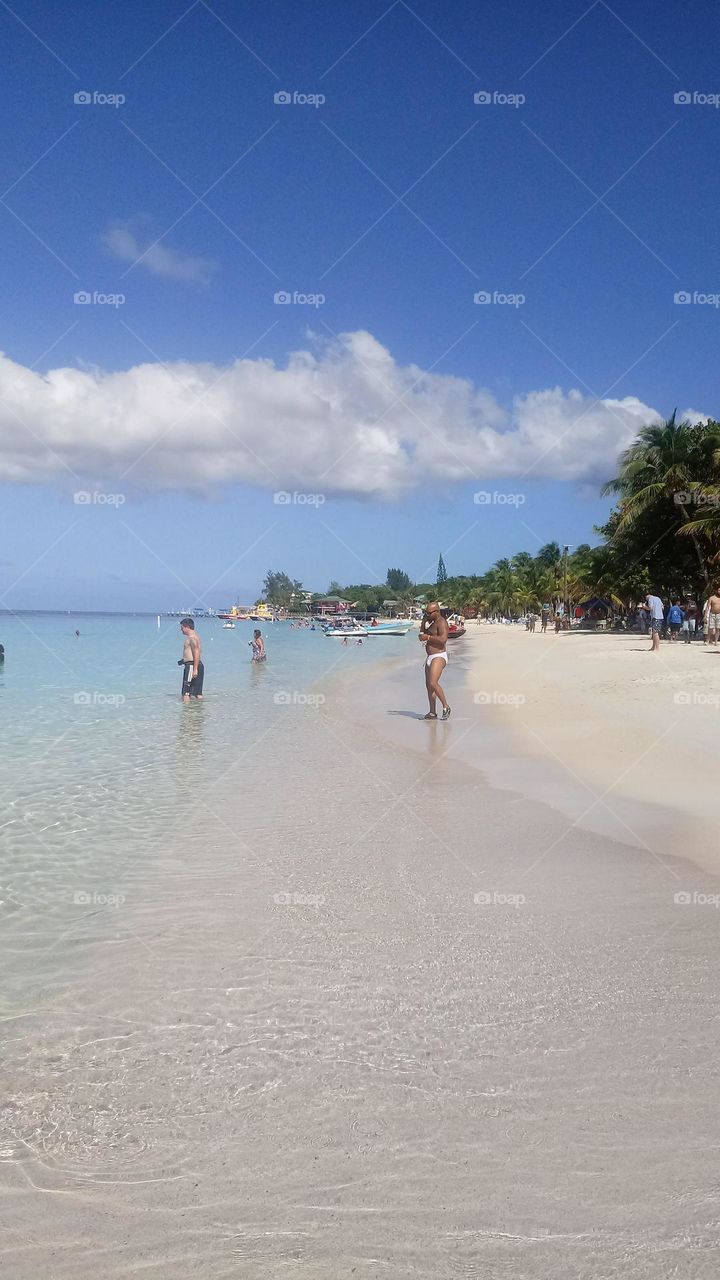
[(663, 535)]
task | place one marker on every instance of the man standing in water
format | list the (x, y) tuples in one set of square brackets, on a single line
[(191, 662), (434, 634)]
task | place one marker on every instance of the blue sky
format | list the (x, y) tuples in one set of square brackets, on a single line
[(503, 199)]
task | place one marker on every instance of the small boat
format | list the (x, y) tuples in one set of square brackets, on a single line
[(233, 615), (228, 626), (389, 629), (345, 629), (456, 626)]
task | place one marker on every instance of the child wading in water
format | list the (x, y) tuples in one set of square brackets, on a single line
[(258, 648)]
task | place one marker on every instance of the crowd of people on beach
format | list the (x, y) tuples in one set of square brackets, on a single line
[(668, 622), (653, 616)]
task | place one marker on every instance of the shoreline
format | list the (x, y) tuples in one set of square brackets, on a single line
[(523, 716), (386, 1007)]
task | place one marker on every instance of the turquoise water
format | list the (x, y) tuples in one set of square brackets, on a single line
[(104, 766)]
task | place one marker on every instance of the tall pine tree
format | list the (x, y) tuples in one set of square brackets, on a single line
[(441, 572)]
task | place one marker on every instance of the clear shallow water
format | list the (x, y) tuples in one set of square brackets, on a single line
[(357, 1015), (103, 764)]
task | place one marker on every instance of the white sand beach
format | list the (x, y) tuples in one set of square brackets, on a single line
[(362, 1014), (612, 724), (359, 1013)]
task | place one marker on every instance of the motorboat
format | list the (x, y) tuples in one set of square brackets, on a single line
[(456, 626), (358, 630), (228, 626), (233, 615)]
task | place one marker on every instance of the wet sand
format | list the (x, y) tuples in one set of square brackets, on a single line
[(373, 1018)]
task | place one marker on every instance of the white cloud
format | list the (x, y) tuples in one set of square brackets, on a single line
[(342, 417), (159, 259)]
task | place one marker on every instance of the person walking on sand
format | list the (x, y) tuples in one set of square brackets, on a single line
[(544, 617), (258, 647), (675, 619), (434, 634), (191, 662), (712, 610), (656, 609), (690, 620)]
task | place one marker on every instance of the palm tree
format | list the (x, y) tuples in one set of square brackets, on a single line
[(668, 460)]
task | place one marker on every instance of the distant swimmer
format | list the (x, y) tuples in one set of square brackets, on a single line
[(77, 633), (434, 635), (191, 662), (258, 647)]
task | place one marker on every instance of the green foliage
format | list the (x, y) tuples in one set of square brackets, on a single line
[(278, 588), (664, 535), (398, 581)]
